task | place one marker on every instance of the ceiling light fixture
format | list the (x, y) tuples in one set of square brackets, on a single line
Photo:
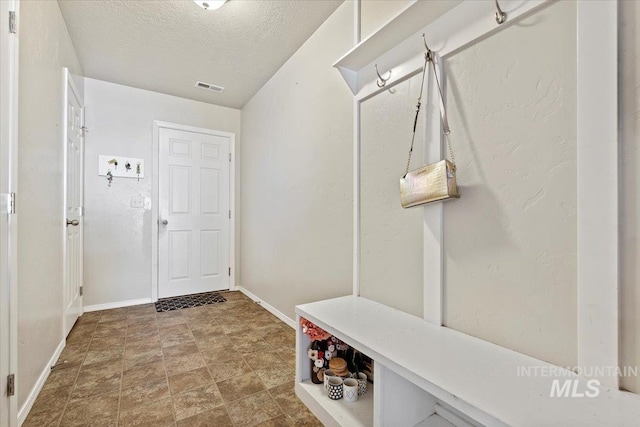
[(210, 4)]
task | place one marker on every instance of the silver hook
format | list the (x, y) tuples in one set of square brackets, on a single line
[(429, 53), (501, 17), (381, 82)]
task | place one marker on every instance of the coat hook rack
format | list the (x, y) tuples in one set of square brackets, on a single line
[(381, 82), (501, 17)]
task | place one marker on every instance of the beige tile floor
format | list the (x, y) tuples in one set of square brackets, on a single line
[(228, 364)]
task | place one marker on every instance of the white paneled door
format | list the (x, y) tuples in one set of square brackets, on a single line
[(194, 212), (74, 145)]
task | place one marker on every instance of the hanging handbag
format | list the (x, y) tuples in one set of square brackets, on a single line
[(435, 181)]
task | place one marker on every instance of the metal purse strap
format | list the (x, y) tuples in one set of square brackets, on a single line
[(443, 112), (418, 105), (428, 57)]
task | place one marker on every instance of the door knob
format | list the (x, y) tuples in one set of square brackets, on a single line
[(165, 222), (74, 222)]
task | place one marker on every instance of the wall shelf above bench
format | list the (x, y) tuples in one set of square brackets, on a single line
[(407, 22)]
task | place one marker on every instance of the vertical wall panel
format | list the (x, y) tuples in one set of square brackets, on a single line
[(630, 192), (511, 239), (391, 241)]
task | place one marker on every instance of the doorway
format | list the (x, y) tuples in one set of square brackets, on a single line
[(74, 206), (194, 234)]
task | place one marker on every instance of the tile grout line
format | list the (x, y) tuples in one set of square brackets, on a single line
[(224, 404), (265, 386), (75, 381), (124, 349), (243, 357), (166, 374), (122, 367)]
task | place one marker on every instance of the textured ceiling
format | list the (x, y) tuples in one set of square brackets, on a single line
[(166, 45)]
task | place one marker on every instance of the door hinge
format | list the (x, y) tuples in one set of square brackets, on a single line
[(11, 385), (229, 271), (229, 156), (229, 213), (11, 210), (12, 22), (81, 290)]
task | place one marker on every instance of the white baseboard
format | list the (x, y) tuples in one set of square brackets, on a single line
[(118, 304), (35, 391), (280, 315)]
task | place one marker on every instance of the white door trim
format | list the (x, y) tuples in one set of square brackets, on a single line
[(155, 199), (9, 44)]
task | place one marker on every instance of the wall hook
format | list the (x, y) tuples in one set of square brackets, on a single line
[(114, 162), (381, 82), (501, 17), (429, 52)]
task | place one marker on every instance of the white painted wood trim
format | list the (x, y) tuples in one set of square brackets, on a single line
[(303, 369), (37, 388), (271, 309), (454, 419), (433, 229), (117, 304), (65, 164), (357, 21), (356, 198), (234, 214), (598, 185), (9, 76), (155, 198), (399, 402)]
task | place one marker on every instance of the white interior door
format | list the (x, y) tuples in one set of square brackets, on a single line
[(194, 212), (74, 144)]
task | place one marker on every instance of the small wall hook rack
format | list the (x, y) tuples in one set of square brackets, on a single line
[(120, 167), (381, 82), (501, 17)]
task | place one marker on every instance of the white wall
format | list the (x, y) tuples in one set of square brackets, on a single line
[(511, 240), (629, 85), (391, 238), (45, 47), (117, 255), (297, 176)]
